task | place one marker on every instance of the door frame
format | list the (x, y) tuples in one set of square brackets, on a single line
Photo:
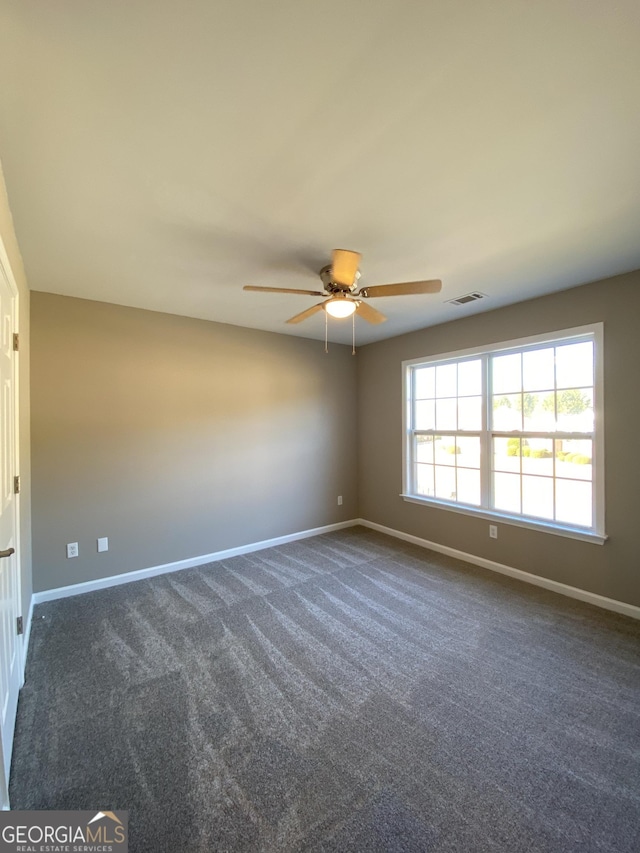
[(7, 272)]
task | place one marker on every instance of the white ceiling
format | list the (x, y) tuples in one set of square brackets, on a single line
[(162, 154)]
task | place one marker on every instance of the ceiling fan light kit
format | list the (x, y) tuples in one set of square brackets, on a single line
[(340, 280), (340, 306)]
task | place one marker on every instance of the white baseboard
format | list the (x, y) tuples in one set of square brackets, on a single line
[(115, 580), (555, 586), (153, 571)]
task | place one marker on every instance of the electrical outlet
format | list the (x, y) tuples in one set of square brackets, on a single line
[(72, 550), (493, 531), (103, 544), (339, 500)]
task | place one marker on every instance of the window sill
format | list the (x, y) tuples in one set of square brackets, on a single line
[(490, 515)]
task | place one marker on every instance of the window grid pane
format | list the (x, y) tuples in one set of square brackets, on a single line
[(538, 462), (538, 444), (550, 401)]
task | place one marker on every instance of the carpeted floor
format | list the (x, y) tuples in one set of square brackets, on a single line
[(344, 693)]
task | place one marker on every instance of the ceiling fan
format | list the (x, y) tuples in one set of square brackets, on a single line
[(340, 280)]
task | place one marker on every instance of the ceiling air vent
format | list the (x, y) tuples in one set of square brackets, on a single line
[(468, 297)]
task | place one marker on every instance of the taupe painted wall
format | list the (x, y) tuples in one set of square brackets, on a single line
[(178, 438), (7, 233), (613, 569)]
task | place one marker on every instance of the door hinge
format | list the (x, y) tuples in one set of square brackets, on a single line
[(20, 625), (16, 485), (16, 342)]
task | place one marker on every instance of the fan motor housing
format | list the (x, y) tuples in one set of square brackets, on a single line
[(331, 286)]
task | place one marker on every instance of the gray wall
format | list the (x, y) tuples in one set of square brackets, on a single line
[(613, 569), (7, 233), (177, 437)]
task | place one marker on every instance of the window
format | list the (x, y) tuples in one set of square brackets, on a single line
[(512, 432)]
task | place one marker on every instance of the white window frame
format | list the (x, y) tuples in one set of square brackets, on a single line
[(594, 332)]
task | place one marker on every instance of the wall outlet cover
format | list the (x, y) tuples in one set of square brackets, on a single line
[(103, 544)]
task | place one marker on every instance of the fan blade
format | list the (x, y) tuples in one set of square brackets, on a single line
[(345, 266), (283, 290), (406, 288), (369, 314), (305, 314)]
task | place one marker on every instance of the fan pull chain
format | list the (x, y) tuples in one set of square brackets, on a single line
[(353, 333), (326, 331)]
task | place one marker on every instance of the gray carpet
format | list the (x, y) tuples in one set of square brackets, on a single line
[(343, 693)]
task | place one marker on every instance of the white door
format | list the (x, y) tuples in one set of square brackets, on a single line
[(10, 643)]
